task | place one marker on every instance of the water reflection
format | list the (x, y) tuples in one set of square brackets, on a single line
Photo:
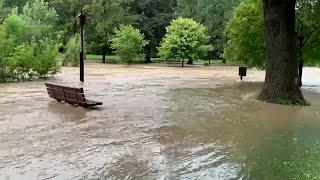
[(66, 112)]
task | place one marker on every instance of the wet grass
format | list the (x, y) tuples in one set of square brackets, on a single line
[(291, 103)]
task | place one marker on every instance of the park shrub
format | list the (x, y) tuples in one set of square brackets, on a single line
[(21, 61), (46, 62), (6, 47), (28, 46), (185, 40), (72, 55), (128, 43)]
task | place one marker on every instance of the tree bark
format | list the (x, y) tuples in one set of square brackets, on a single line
[(182, 65), (148, 54), (281, 72), (301, 65), (300, 61), (104, 53)]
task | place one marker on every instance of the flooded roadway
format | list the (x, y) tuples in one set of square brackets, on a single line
[(158, 123)]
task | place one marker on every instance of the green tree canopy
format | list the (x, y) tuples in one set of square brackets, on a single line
[(245, 32), (308, 31), (152, 17), (128, 43), (211, 13), (185, 39), (103, 17)]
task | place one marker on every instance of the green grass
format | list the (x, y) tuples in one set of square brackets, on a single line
[(290, 103), (115, 59), (99, 57)]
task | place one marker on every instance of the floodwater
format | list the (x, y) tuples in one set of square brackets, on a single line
[(159, 123)]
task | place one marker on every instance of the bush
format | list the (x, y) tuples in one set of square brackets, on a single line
[(46, 60), (6, 48), (72, 55), (33, 60), (22, 61), (185, 39), (128, 43), (28, 46)]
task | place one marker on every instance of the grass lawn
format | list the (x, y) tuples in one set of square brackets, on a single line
[(115, 59)]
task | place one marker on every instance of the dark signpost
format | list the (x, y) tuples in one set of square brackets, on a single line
[(243, 70), (81, 19)]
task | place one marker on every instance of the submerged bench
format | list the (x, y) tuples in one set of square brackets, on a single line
[(74, 96)]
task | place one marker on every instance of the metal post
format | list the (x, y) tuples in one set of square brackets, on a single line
[(81, 19), (81, 57)]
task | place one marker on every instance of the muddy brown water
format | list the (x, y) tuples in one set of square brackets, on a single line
[(158, 123)]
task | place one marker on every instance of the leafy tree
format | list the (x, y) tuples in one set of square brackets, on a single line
[(247, 39), (185, 39), (17, 29), (246, 35), (213, 14), (128, 43), (72, 55), (103, 17), (152, 17), (282, 63), (40, 12), (308, 33), (3, 11), (33, 24), (15, 4), (67, 11)]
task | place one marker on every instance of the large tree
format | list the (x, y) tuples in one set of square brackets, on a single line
[(103, 17), (185, 39), (247, 40), (152, 17), (67, 11), (15, 4), (246, 35), (308, 33), (213, 14), (281, 66)]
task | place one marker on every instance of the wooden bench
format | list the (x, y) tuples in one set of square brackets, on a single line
[(70, 95)]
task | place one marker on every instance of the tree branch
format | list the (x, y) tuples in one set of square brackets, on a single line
[(307, 38)]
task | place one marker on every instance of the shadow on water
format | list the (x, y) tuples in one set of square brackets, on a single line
[(68, 112), (225, 133)]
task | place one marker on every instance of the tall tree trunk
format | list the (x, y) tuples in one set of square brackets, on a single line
[(301, 65), (182, 65), (104, 53), (281, 72), (148, 54), (300, 61)]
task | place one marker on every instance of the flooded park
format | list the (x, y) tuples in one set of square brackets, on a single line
[(158, 122)]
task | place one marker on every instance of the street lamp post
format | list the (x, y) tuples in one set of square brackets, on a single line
[(81, 20)]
